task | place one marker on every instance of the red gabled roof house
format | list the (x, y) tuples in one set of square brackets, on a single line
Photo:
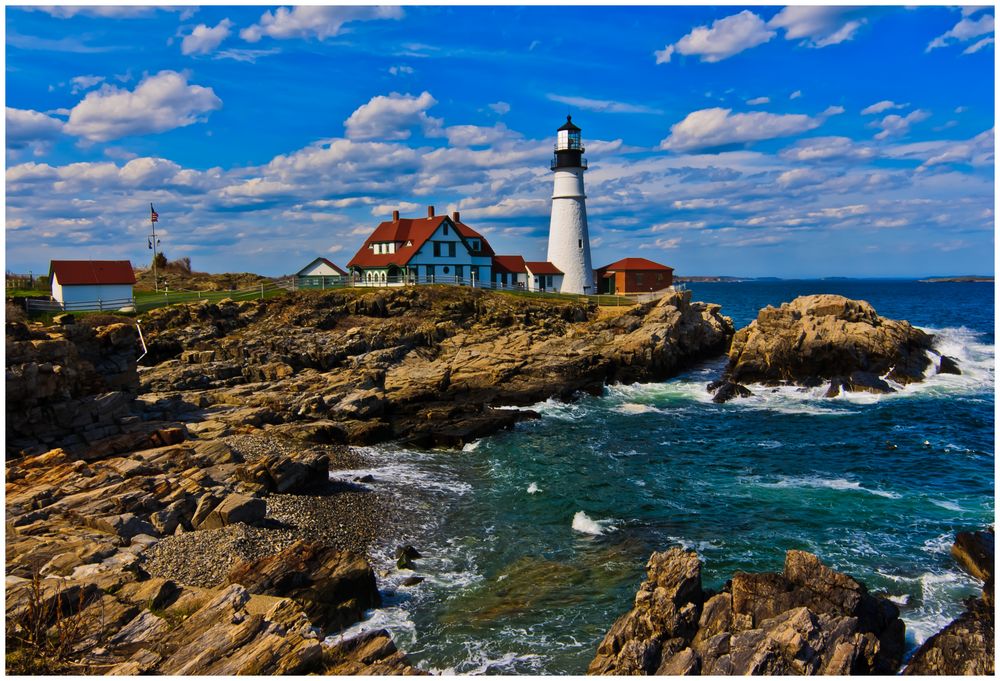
[(92, 284), (633, 275), (435, 248), (441, 248)]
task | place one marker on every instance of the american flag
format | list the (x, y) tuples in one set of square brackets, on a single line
[(153, 215)]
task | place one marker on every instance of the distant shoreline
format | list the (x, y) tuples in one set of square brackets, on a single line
[(956, 280), (736, 280)]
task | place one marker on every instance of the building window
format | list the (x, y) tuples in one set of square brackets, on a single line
[(437, 249), (579, 244), (638, 279), (451, 249), (446, 228), (446, 269), (459, 271), (430, 271)]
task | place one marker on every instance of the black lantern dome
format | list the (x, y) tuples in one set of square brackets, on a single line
[(569, 147)]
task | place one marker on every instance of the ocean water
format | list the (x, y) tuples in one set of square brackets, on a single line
[(535, 540)]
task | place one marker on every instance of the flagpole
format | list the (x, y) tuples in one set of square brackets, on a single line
[(152, 224)]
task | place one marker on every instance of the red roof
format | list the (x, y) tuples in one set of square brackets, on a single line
[(83, 272), (510, 264), (413, 232), (543, 268), (636, 265)]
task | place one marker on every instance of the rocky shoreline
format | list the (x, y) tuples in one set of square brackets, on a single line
[(177, 515)]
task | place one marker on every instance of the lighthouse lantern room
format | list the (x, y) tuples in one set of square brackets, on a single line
[(569, 241)]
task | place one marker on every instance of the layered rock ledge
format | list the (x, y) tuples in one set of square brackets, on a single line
[(427, 364), (806, 620), (828, 339)]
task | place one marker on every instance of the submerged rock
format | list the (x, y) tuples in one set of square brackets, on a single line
[(807, 620), (820, 338)]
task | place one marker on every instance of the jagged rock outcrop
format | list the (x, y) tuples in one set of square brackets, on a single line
[(333, 587), (827, 339), (967, 645), (428, 364), (807, 620), (68, 385)]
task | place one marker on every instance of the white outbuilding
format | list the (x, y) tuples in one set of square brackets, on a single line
[(320, 273), (92, 284)]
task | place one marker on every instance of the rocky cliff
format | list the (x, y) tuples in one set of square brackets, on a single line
[(828, 339), (181, 520), (427, 364), (806, 620)]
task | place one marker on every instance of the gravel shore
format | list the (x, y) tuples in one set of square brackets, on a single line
[(350, 517)]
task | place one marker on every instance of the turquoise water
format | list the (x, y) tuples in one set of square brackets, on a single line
[(535, 540)]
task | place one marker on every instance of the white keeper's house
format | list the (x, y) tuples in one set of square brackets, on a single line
[(91, 284), (442, 248)]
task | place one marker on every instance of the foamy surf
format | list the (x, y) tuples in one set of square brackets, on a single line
[(584, 524), (533, 489), (840, 484)]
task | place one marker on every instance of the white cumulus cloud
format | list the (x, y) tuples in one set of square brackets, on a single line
[(965, 30), (81, 83), (879, 107), (756, 101), (500, 107), (204, 39), (25, 126), (894, 125), (313, 21), (820, 26), (392, 117), (724, 38), (159, 103), (716, 127)]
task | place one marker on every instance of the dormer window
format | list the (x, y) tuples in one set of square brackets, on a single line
[(446, 228)]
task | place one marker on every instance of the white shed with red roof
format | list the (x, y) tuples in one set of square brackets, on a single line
[(92, 284)]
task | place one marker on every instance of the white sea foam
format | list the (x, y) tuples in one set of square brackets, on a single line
[(948, 505), (828, 483), (471, 446), (533, 489), (901, 599), (632, 408), (394, 619), (586, 525)]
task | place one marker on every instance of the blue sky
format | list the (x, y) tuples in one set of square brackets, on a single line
[(754, 141)]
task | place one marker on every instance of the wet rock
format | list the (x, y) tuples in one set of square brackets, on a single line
[(412, 581), (964, 647), (828, 337), (727, 390), (370, 653), (975, 552), (333, 587), (949, 365), (405, 555), (806, 620)]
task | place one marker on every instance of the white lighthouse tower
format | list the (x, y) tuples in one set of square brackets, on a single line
[(569, 242)]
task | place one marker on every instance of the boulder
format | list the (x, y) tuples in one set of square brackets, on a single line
[(235, 508), (964, 648), (828, 338), (806, 620), (333, 587), (975, 552)]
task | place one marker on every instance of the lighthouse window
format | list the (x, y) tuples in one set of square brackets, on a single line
[(579, 243)]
